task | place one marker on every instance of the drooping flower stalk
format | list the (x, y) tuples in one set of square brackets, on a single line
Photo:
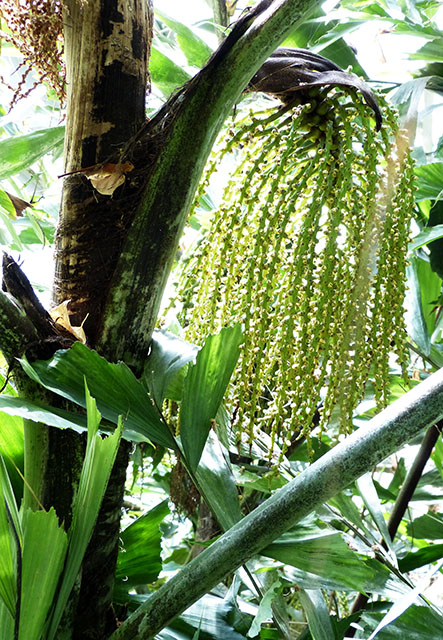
[(308, 251)]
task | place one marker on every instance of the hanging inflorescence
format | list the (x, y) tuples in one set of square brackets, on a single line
[(35, 29), (308, 251)]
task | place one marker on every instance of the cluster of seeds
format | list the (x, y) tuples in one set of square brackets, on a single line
[(35, 29), (307, 250)]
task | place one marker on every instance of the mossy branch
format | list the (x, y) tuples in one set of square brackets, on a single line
[(381, 437), (16, 329)]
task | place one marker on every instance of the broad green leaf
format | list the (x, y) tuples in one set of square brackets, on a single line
[(398, 478), (258, 482), (196, 50), (8, 592), (13, 241), (382, 581), (420, 558), (214, 476), (428, 526), (264, 611), (323, 553), (210, 618), (416, 623), (166, 75), (168, 355), (370, 498), (437, 456), (348, 509), (407, 98), (435, 248), (401, 605), (204, 388), (424, 288), (44, 550), (429, 181), (139, 559), (99, 459), (317, 615), (39, 412), (19, 152), (33, 230), (12, 448), (6, 203), (431, 51), (429, 488), (116, 389), (424, 237), (6, 623)]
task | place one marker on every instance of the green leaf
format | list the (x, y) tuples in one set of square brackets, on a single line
[(429, 181), (168, 355), (400, 606), (370, 498), (204, 388), (139, 559), (166, 75), (39, 412), (6, 203), (264, 611), (432, 51), (416, 623), (428, 526), (44, 550), (6, 623), (420, 558), (196, 50), (7, 541), (12, 448), (437, 456), (13, 241), (321, 552), (382, 581), (424, 237), (423, 291), (348, 509), (99, 460), (215, 478), (210, 618), (116, 389), (317, 615), (20, 152)]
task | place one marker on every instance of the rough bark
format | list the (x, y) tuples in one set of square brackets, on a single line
[(107, 45)]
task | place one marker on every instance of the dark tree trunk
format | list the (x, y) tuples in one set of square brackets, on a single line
[(107, 45)]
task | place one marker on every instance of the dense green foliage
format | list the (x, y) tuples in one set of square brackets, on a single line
[(306, 581)]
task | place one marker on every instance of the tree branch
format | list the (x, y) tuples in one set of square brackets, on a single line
[(381, 437), (16, 329)]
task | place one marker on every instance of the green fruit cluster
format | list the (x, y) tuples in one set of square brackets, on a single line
[(308, 251)]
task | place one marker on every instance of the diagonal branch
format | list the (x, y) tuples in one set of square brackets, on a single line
[(381, 437)]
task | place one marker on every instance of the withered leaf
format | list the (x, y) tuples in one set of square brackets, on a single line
[(105, 178), (290, 71), (60, 316), (18, 204)]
